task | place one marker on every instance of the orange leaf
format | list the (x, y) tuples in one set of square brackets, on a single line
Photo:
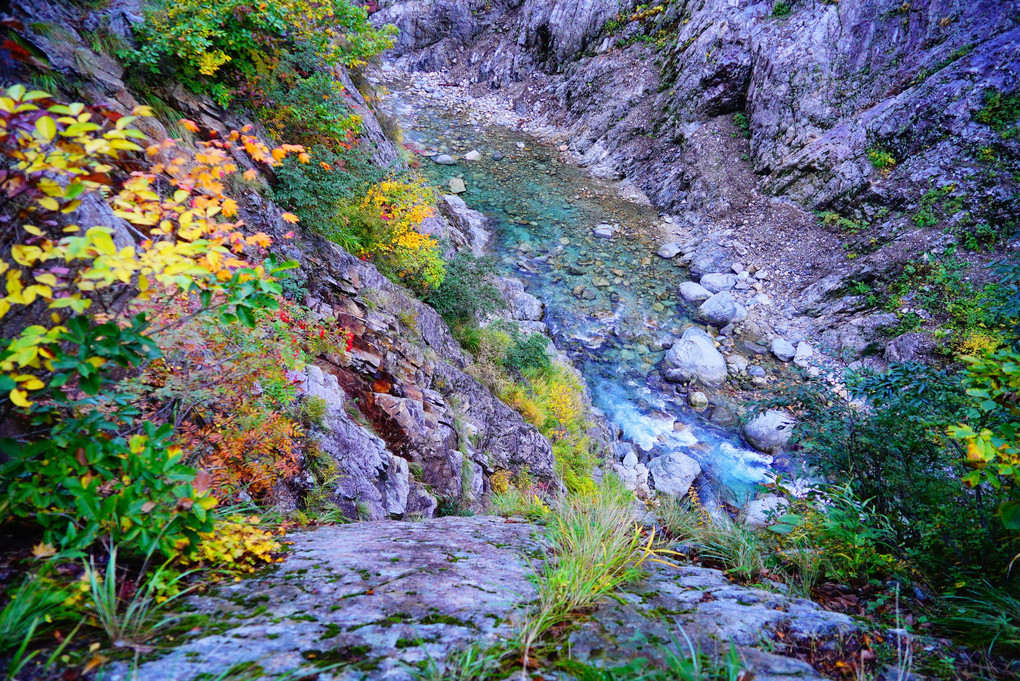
[(189, 125), (290, 217), (41, 550)]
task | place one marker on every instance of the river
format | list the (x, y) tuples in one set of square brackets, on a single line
[(611, 303)]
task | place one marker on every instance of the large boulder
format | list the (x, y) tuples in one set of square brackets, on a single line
[(673, 473), (471, 226), (721, 309), (770, 431), (756, 513), (523, 306), (695, 358)]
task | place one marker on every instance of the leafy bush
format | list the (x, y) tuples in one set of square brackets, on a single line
[(403, 253), (217, 47), (999, 111), (527, 352), (322, 192), (303, 102), (83, 464), (467, 293), (743, 125), (236, 545), (896, 452)]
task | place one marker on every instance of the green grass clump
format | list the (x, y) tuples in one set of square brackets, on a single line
[(596, 548), (1000, 111)]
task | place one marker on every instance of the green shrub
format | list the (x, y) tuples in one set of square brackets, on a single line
[(1000, 111), (743, 125), (303, 102), (99, 472), (881, 159), (325, 193), (468, 293), (780, 9), (218, 48), (897, 453), (527, 352)]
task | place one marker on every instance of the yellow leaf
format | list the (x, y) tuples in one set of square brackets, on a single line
[(19, 398), (32, 229), (250, 175), (290, 217), (33, 383), (49, 203), (46, 127), (42, 550)]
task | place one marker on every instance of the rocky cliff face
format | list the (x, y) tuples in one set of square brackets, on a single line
[(869, 109), (820, 85)]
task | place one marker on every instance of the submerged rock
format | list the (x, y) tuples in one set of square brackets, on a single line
[(472, 155), (695, 358), (457, 185), (445, 160), (603, 231)]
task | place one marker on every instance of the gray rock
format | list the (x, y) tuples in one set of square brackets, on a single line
[(756, 512), (721, 309), (698, 400), (783, 349), (695, 358), (522, 305), (471, 225), (603, 231), (673, 473), (668, 251), (716, 282), (457, 185), (445, 160), (803, 354), (497, 156), (472, 155), (770, 431), (694, 293), (756, 371), (737, 363), (904, 347)]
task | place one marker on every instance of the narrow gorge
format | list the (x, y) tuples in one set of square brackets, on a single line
[(527, 339)]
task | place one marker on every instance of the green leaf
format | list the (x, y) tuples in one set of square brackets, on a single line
[(244, 313), (1010, 513)]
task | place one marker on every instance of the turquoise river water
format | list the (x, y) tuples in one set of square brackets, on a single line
[(611, 304)]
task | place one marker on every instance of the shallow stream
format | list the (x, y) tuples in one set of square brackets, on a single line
[(611, 304)]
